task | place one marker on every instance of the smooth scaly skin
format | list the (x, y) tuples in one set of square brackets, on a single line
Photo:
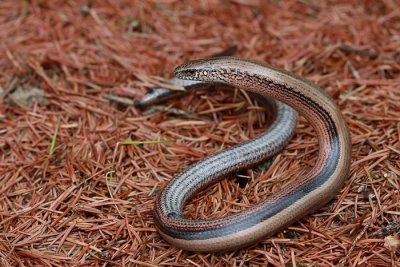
[(281, 208)]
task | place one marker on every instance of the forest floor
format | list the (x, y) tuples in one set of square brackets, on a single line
[(73, 192)]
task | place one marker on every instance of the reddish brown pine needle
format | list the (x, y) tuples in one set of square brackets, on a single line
[(70, 70)]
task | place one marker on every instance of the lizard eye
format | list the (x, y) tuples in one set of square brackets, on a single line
[(190, 72), (187, 74)]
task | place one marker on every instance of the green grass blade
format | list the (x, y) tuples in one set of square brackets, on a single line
[(54, 139)]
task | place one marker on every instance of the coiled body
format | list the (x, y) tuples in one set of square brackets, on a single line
[(281, 208)]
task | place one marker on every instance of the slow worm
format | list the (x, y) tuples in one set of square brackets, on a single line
[(281, 208)]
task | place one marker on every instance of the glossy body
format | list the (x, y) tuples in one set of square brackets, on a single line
[(281, 208)]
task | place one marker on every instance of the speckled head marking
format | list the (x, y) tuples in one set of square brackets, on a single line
[(282, 207)]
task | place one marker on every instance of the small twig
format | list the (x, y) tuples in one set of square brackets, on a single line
[(392, 228), (362, 52), (119, 99)]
